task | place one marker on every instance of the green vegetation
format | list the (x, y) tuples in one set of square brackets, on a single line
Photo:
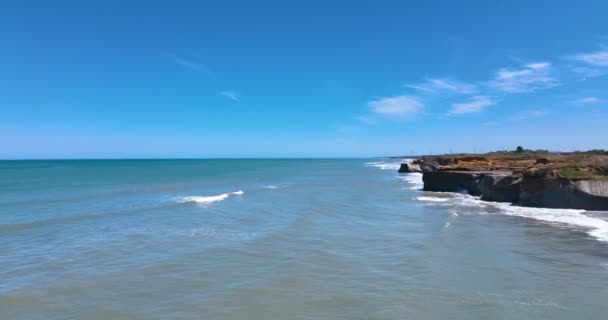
[(594, 151), (521, 152), (574, 174)]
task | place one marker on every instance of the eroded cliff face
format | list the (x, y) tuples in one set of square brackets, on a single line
[(576, 183), (452, 181), (593, 187), (563, 193), (501, 187)]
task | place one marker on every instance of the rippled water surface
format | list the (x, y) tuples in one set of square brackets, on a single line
[(283, 239)]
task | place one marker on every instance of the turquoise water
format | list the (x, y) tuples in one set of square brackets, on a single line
[(283, 239)]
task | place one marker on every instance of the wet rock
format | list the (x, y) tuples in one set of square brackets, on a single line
[(409, 167)]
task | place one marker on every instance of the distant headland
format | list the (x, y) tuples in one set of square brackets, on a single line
[(535, 178)]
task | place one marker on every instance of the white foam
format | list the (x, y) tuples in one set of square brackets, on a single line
[(595, 227), (274, 186), (414, 179), (384, 165), (446, 225), (571, 218), (433, 199), (210, 199)]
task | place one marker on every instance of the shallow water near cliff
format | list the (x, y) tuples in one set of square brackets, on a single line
[(283, 239)]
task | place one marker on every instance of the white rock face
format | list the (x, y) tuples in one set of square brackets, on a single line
[(594, 187)]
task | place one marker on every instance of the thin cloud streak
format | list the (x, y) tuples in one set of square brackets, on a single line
[(598, 58), (530, 77), (585, 100), (402, 107), (367, 120), (229, 94), (532, 113), (435, 85), (192, 65), (476, 104)]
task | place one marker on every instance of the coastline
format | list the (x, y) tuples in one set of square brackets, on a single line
[(561, 181)]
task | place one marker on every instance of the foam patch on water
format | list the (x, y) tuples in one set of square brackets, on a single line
[(210, 199), (446, 226), (275, 186), (383, 165), (570, 218)]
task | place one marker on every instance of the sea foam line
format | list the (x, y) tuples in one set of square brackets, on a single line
[(414, 179), (595, 227), (384, 165), (573, 218), (210, 199)]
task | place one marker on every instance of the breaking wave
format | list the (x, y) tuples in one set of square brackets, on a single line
[(570, 218), (383, 165), (210, 199), (413, 179), (432, 199)]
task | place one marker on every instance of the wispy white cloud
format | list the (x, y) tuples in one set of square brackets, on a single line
[(230, 95), (490, 123), (598, 58), (475, 104), (529, 77), (587, 72), (403, 106), (434, 85), (192, 65), (585, 100), (532, 113), (366, 119), (505, 82)]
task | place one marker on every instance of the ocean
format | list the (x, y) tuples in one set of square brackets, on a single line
[(283, 239)]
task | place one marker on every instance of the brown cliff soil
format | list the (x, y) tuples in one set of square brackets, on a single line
[(567, 166)]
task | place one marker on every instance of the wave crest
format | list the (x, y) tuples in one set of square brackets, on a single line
[(210, 199), (414, 179), (382, 165)]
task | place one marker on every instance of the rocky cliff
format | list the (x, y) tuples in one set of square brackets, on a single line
[(577, 182)]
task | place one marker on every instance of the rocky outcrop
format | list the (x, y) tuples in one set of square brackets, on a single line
[(490, 185), (542, 161), (580, 183), (409, 168), (500, 187), (443, 161), (427, 164), (452, 181), (562, 193), (429, 167)]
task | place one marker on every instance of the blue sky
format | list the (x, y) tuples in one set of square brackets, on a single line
[(115, 79)]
